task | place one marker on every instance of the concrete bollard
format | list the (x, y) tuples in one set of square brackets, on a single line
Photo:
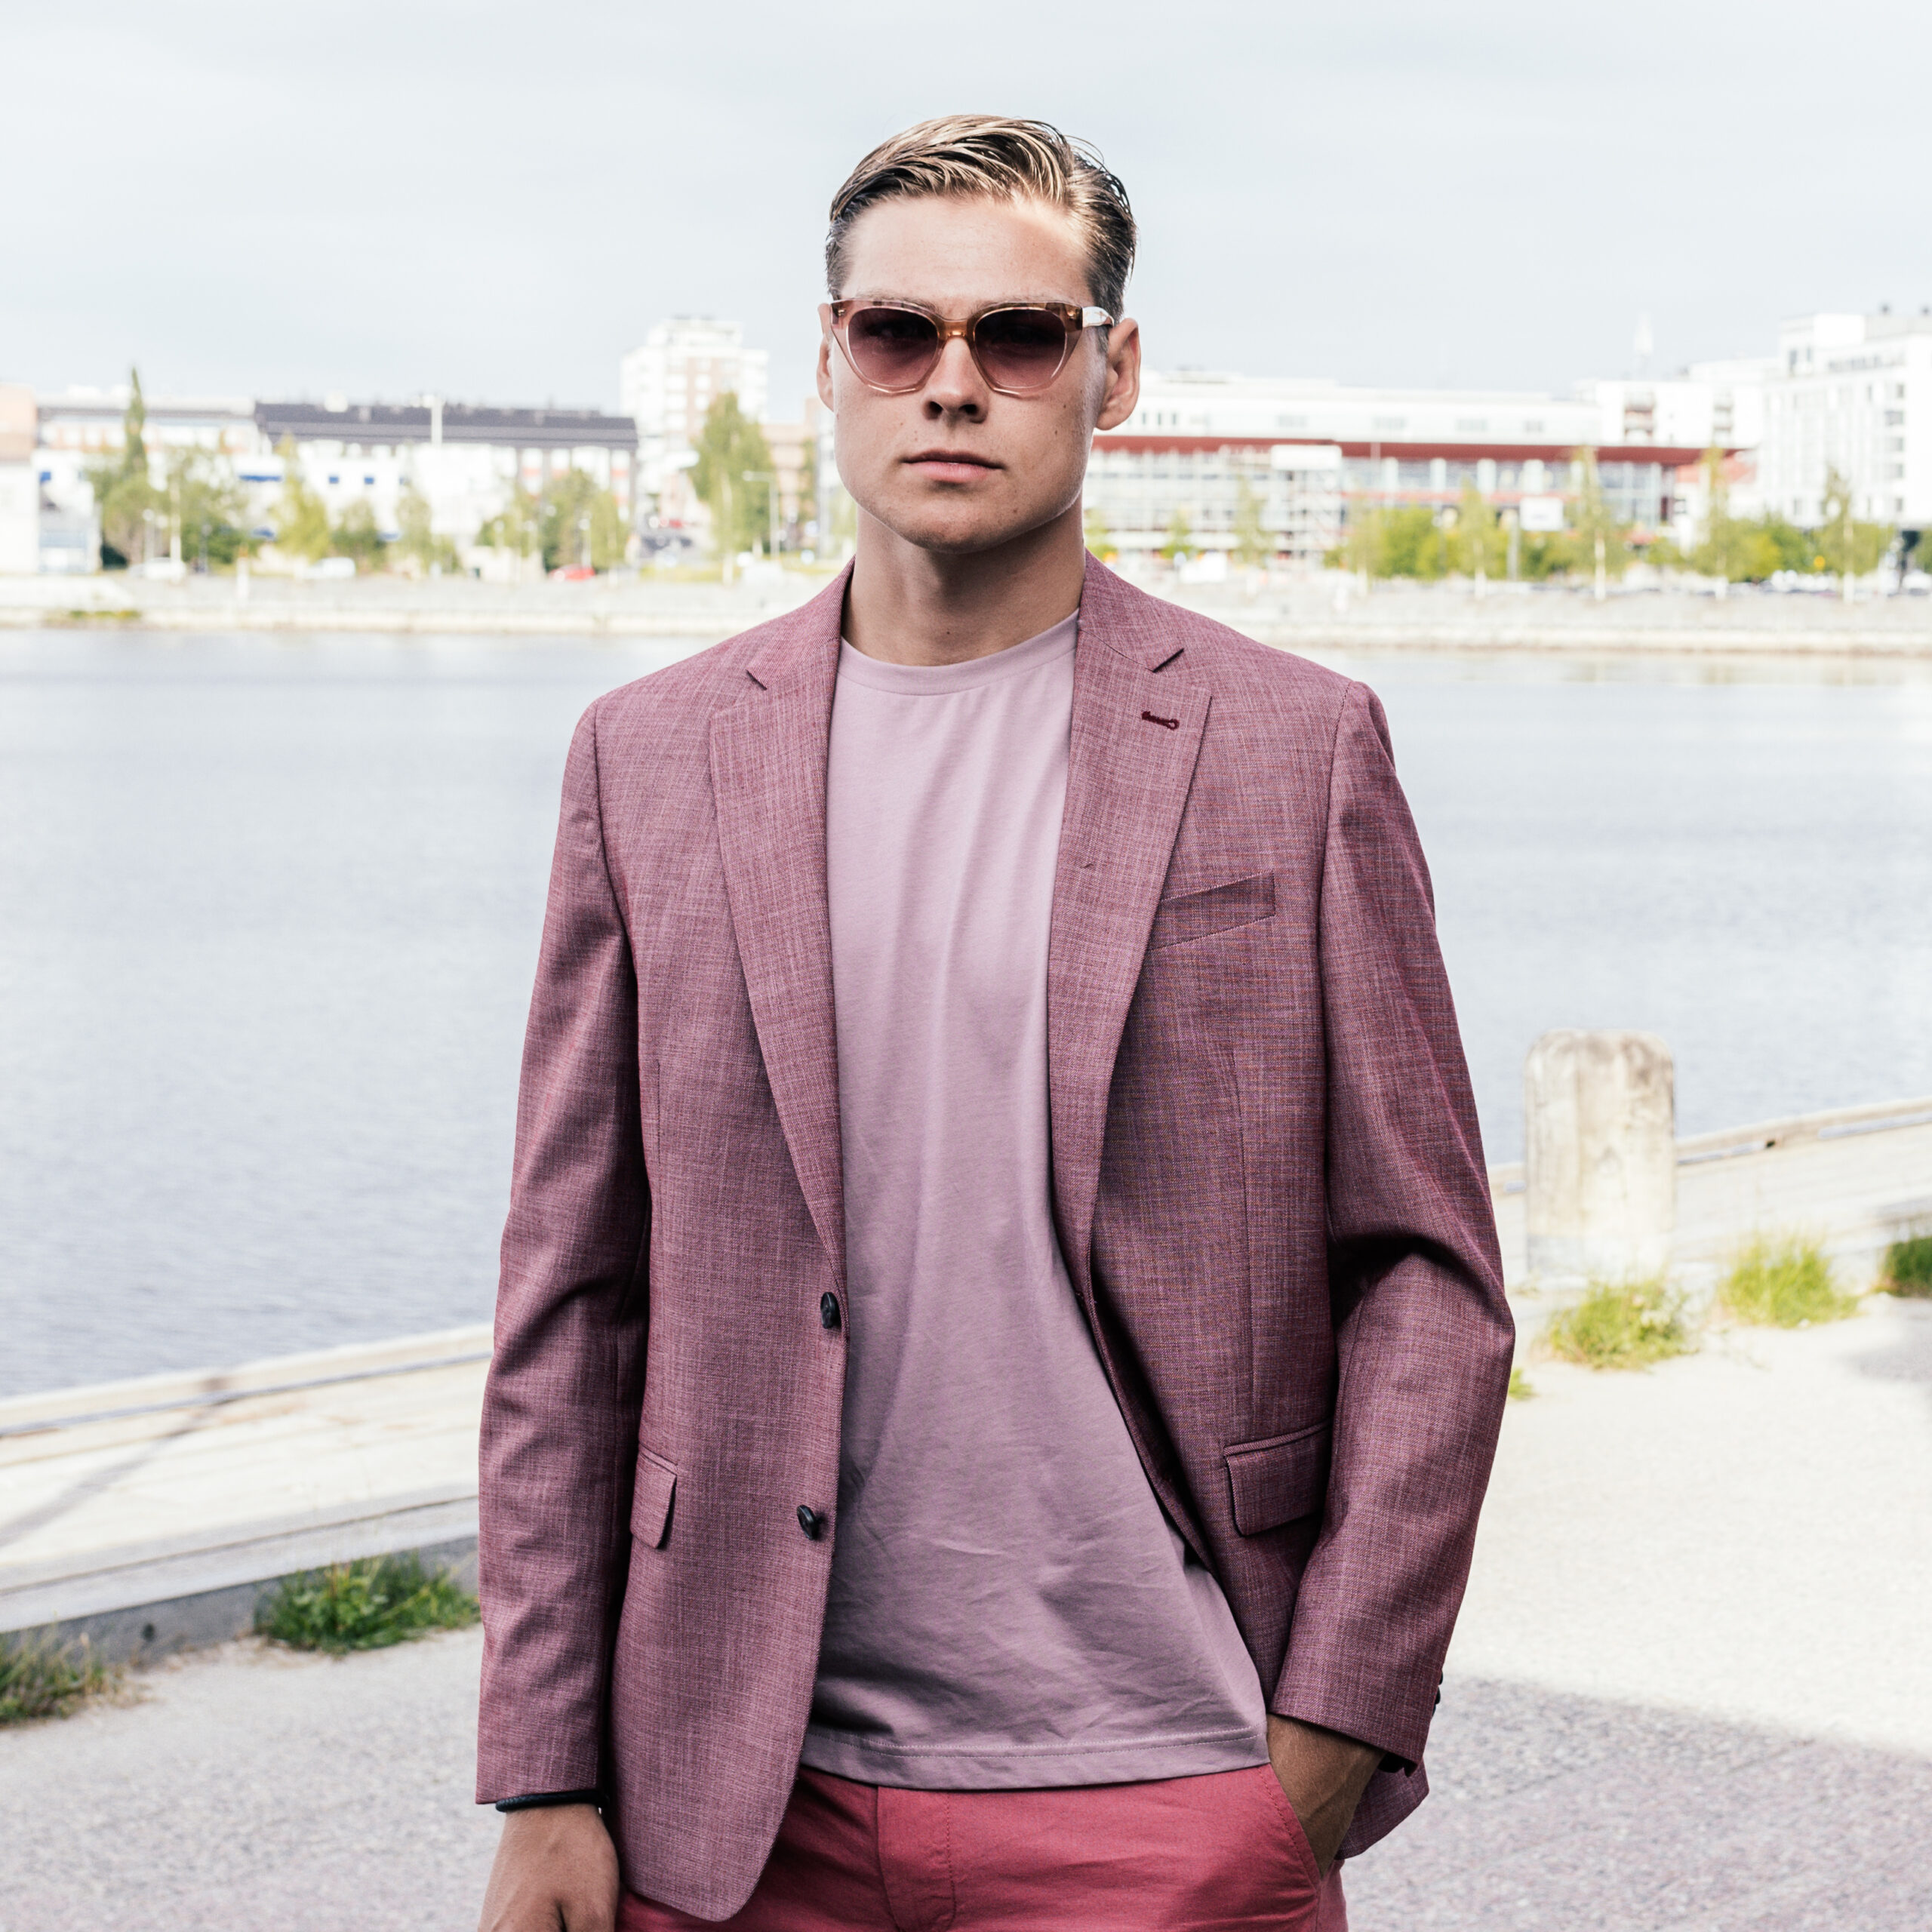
[(1600, 1155)]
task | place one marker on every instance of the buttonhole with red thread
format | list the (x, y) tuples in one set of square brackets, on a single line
[(1165, 724)]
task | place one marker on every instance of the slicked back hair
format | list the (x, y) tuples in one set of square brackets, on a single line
[(989, 154)]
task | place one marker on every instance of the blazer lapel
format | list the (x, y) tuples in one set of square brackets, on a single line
[(1136, 736), (767, 775)]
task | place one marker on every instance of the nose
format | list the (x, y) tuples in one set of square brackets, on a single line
[(956, 386)]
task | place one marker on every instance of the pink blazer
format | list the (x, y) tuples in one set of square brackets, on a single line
[(1267, 1178)]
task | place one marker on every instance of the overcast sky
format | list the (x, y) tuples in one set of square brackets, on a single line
[(494, 202)]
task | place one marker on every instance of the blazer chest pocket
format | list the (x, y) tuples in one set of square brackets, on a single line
[(1241, 902), (1279, 1480), (651, 1500)]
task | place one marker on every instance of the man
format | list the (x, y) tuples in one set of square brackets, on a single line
[(1002, 1337)]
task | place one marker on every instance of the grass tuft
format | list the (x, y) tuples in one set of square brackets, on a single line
[(1908, 1267), (1783, 1285), (365, 1605), (1621, 1324), (1521, 1388), (44, 1680)]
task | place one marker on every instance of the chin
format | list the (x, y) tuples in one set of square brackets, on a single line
[(962, 530)]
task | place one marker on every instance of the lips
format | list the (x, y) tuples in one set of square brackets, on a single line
[(952, 465)]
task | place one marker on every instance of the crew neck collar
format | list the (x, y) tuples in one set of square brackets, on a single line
[(936, 680)]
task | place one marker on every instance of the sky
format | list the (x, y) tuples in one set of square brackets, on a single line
[(494, 202)]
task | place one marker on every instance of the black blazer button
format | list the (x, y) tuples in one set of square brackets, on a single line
[(810, 1521), (828, 1310)]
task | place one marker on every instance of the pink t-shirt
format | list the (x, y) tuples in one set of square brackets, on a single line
[(1009, 1605)]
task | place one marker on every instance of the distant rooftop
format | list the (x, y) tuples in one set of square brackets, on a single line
[(461, 422)]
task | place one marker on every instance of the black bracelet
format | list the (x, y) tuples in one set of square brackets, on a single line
[(535, 1800)]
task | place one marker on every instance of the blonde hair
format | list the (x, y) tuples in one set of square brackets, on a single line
[(988, 154)]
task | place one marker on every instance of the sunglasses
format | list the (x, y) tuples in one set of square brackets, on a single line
[(1019, 347)]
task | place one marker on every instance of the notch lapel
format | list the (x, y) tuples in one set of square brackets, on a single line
[(1127, 783), (767, 775)]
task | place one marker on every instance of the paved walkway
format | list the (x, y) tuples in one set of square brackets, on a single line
[(1691, 1692)]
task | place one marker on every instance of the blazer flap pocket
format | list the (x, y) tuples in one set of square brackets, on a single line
[(1278, 1481), (1195, 915), (650, 1500)]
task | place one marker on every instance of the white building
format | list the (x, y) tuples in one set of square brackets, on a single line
[(19, 483), (464, 459), (1852, 393), (1711, 404), (667, 384), (1310, 451)]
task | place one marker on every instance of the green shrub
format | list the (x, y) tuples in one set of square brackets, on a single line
[(1908, 1263), (365, 1606), (1621, 1324), (43, 1680), (1520, 1388), (1783, 1284)]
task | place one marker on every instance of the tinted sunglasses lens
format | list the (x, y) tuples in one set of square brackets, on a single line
[(894, 348), (1020, 348)]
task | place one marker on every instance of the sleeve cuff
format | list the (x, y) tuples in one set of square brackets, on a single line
[(535, 1800)]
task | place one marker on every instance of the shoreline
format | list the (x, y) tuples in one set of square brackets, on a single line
[(1304, 614)]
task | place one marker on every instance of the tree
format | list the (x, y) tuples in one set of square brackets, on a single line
[(729, 445), (124, 491), (1477, 544), (1180, 537), (578, 524), (1735, 549), (358, 536), (1849, 547), (1418, 543), (518, 526), (417, 539), (1595, 537), (301, 519), (1400, 540), (1362, 547), (1099, 539), (209, 508), (1253, 544)]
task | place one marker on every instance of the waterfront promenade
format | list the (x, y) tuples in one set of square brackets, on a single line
[(1689, 1692), (1328, 611), (145, 1514)]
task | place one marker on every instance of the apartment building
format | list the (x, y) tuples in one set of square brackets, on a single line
[(1851, 393), (668, 382)]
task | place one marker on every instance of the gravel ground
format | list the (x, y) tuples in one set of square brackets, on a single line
[(251, 1787), (1689, 1693)]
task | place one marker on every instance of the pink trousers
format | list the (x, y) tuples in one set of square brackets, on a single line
[(1220, 1853)]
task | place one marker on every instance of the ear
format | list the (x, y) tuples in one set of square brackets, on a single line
[(1122, 393), (822, 375)]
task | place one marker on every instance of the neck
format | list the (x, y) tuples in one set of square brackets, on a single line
[(905, 605)]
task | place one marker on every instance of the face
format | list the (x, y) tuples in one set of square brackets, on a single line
[(954, 466)]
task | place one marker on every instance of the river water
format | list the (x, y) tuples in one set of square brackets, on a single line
[(269, 911)]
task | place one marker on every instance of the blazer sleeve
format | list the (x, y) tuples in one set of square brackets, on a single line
[(1423, 1334), (560, 1408)]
